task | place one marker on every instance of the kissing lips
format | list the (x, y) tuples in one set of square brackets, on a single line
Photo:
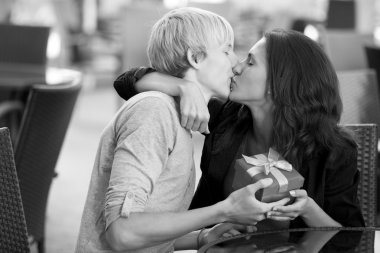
[(232, 83)]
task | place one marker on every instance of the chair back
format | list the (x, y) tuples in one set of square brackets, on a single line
[(341, 14), (345, 48), (366, 138), (20, 54), (42, 131), (360, 96), (13, 231), (372, 54)]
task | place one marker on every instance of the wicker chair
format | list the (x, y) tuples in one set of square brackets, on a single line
[(13, 231), (366, 138), (43, 127)]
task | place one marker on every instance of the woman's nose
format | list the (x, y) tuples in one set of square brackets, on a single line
[(238, 68)]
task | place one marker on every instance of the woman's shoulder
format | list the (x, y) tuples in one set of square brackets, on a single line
[(344, 153)]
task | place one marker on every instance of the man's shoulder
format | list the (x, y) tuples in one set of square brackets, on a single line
[(152, 106), (150, 99)]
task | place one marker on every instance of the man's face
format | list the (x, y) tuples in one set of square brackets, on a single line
[(215, 70)]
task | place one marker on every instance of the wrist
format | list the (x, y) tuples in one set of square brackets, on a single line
[(310, 206), (183, 87), (223, 211), (201, 239)]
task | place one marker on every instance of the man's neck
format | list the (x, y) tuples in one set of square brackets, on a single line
[(191, 76)]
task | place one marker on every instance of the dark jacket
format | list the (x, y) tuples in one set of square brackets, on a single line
[(332, 183)]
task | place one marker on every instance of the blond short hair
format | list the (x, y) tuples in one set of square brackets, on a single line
[(182, 29)]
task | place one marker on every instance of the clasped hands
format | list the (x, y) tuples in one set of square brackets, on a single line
[(243, 211)]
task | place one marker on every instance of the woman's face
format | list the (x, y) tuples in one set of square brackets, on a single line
[(251, 76), (215, 70)]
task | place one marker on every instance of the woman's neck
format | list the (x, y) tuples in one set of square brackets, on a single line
[(262, 124)]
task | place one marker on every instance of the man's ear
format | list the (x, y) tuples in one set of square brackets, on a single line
[(192, 59)]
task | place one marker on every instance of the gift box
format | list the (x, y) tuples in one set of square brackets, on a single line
[(249, 170)]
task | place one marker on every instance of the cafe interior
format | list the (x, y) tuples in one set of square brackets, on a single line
[(58, 61)]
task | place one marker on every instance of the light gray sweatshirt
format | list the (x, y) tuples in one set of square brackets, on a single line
[(144, 163)]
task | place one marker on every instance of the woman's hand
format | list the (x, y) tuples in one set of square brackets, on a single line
[(193, 106), (290, 212)]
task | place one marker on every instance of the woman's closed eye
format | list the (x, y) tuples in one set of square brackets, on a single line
[(250, 60)]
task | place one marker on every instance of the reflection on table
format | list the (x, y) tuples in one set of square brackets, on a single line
[(298, 240)]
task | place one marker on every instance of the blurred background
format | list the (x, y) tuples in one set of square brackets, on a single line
[(94, 41)]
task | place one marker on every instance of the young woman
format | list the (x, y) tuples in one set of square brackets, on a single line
[(285, 96)]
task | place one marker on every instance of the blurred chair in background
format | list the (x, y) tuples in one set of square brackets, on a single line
[(373, 60), (345, 48), (341, 14), (45, 119), (23, 49), (13, 231), (23, 52), (360, 96)]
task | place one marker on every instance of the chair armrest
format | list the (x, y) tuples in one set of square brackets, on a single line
[(7, 107)]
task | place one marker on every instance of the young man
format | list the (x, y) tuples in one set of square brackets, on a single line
[(144, 176)]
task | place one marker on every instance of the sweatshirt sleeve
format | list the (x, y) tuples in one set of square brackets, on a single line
[(125, 83), (145, 137)]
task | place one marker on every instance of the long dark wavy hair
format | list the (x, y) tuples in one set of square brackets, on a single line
[(305, 92)]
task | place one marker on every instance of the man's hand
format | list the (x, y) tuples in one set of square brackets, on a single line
[(242, 206)]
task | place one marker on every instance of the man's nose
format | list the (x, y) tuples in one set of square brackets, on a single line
[(234, 59)]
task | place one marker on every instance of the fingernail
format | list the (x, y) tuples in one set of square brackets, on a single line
[(269, 214), (292, 193), (274, 209)]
